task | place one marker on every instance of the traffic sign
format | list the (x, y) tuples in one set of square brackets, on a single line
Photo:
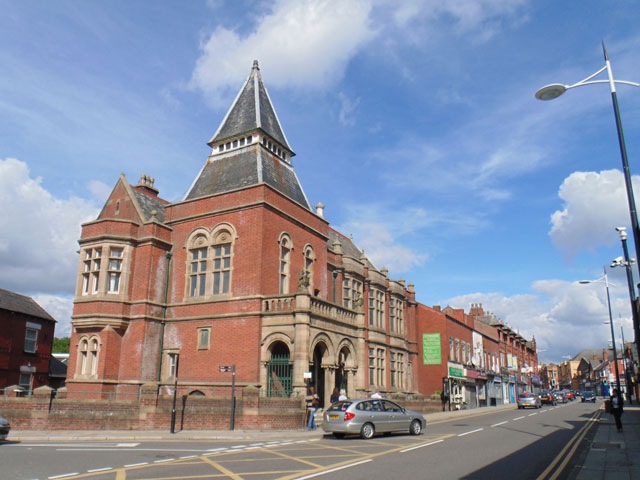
[(226, 368)]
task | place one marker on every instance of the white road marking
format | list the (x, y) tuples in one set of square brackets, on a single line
[(532, 414), (130, 445), (333, 470), (136, 464), (189, 456), (472, 431), (518, 418), (498, 424), (63, 475), (99, 469), (216, 449), (420, 446), (238, 446), (165, 460)]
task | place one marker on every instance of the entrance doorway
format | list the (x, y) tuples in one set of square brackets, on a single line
[(317, 372), (279, 371)]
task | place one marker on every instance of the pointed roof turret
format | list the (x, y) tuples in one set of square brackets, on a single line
[(251, 110), (249, 148)]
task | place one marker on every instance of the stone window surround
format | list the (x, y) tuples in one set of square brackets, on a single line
[(222, 234), (85, 287), (88, 357)]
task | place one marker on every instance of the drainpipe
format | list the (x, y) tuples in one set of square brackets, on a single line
[(334, 275), (164, 316)]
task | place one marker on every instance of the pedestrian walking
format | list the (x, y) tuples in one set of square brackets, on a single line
[(444, 398), (313, 401), (616, 408)]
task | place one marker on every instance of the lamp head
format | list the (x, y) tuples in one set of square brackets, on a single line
[(584, 282), (549, 92)]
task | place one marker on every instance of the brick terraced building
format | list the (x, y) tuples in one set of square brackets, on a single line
[(241, 272)]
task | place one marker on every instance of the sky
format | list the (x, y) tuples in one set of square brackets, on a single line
[(414, 122)]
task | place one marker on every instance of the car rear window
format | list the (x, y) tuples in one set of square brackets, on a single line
[(340, 406)]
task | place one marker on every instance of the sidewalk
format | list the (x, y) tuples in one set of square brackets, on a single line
[(613, 454)]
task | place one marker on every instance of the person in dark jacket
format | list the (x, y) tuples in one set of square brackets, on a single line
[(335, 395), (616, 408)]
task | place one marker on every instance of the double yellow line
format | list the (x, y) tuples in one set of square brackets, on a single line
[(566, 454)]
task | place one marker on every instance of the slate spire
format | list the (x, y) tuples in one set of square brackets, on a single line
[(249, 148), (252, 110)]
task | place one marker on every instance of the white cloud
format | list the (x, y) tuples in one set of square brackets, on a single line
[(309, 43), (304, 44), (348, 108), (594, 204), (39, 233), (565, 318), (59, 308)]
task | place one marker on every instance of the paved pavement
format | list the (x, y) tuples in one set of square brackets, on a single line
[(607, 454), (612, 454)]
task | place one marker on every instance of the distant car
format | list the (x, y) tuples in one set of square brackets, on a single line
[(529, 400), (588, 397), (5, 427), (546, 397), (368, 416), (569, 394), (560, 397)]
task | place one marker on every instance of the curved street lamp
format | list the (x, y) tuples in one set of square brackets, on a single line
[(549, 92), (605, 280)]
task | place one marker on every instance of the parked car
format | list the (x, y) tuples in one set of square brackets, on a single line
[(5, 427), (529, 400), (560, 397), (368, 416), (546, 397), (588, 397)]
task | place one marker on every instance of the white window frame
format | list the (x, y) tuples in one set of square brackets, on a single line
[(28, 341)]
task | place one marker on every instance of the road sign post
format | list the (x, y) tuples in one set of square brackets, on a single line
[(232, 369)]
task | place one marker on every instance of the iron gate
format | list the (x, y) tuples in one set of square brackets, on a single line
[(279, 373)]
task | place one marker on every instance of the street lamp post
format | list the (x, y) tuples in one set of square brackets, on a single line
[(552, 91), (613, 337)]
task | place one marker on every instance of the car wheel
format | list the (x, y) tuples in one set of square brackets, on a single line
[(415, 428), (338, 434), (367, 431)]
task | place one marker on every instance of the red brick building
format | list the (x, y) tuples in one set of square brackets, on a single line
[(243, 272), (26, 341)]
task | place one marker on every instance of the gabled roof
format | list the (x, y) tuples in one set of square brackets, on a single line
[(14, 302), (251, 110)]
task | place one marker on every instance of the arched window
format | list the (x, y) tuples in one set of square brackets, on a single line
[(285, 263), (222, 262), (93, 355), (309, 260), (197, 269), (82, 363)]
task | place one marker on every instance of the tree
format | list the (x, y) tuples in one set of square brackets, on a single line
[(61, 345)]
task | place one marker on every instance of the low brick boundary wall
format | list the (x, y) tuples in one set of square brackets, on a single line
[(150, 412)]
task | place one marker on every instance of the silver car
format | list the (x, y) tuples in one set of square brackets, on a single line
[(368, 416), (528, 400), (4, 428)]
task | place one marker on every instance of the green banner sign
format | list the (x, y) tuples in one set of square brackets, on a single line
[(431, 349), (456, 372)]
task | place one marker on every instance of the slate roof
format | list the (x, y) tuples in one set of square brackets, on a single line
[(252, 164), (245, 168), (14, 302), (149, 204), (251, 110)]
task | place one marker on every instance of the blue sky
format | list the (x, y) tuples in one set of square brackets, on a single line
[(416, 125)]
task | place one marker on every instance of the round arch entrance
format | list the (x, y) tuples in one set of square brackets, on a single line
[(317, 372), (279, 371)]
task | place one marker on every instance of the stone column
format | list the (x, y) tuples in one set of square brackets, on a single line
[(300, 354)]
